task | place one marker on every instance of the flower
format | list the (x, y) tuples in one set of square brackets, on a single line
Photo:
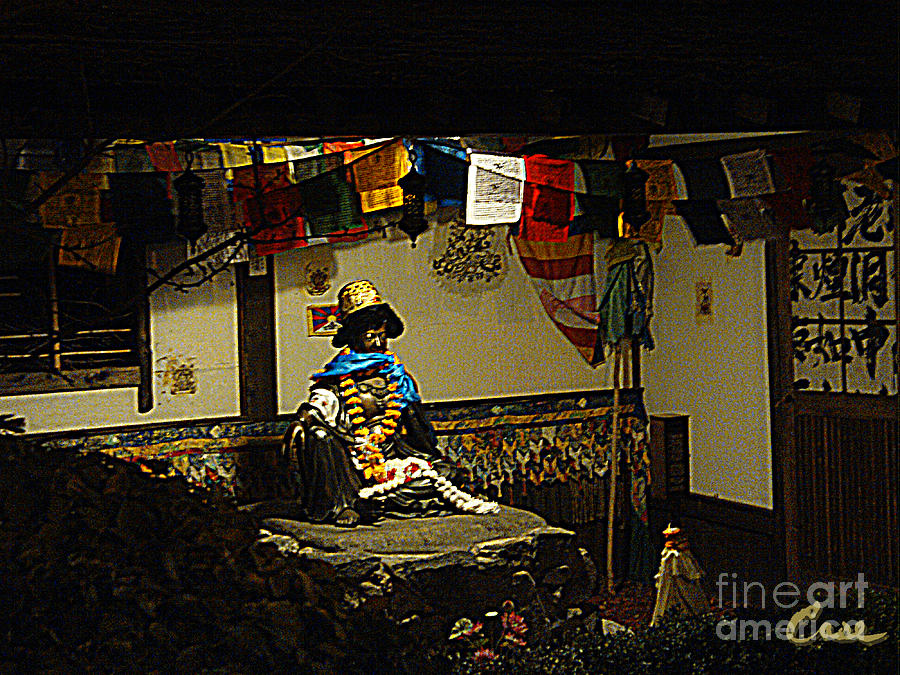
[(484, 655), (465, 628), (514, 628)]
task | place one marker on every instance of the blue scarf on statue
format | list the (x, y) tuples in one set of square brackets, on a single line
[(348, 362)]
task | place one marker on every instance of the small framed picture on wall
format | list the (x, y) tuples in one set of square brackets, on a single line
[(322, 320)]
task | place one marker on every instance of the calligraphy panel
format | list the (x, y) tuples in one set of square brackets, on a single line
[(843, 298), (819, 352)]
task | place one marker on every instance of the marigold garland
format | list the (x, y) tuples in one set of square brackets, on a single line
[(388, 475)]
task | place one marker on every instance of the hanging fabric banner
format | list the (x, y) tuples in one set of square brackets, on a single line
[(564, 275), (132, 158), (328, 204), (235, 155), (260, 178), (75, 203), (468, 260), (276, 221), (142, 205), (94, 247), (375, 174), (234, 253), (548, 202), (219, 213), (748, 174), (703, 179), (598, 200), (444, 168), (274, 154), (747, 219), (494, 189), (660, 179), (704, 221), (163, 156), (650, 231)]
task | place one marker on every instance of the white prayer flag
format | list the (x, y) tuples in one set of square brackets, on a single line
[(495, 187), (748, 174)]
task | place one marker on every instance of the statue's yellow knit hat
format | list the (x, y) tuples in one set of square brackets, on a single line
[(361, 305), (356, 295)]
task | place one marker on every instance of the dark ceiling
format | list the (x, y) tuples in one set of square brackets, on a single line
[(140, 69)]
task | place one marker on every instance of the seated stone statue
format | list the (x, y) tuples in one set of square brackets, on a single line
[(360, 446)]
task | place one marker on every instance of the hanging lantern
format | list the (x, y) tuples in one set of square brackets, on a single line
[(189, 188), (413, 222), (635, 202)]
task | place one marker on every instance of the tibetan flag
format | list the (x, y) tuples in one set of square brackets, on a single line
[(322, 320), (548, 202), (563, 273)]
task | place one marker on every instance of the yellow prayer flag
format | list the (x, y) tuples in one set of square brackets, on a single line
[(95, 247), (378, 169), (385, 198), (75, 203), (234, 155), (274, 154)]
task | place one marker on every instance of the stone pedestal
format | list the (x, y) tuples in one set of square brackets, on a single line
[(429, 572)]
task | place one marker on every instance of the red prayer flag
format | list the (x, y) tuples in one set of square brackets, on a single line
[(163, 156), (276, 221), (548, 202), (270, 177)]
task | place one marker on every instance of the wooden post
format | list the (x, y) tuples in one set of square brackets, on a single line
[(614, 469)]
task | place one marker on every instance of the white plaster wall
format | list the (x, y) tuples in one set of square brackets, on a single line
[(199, 327), (497, 343), (715, 372)]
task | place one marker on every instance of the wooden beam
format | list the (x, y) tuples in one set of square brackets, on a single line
[(256, 343)]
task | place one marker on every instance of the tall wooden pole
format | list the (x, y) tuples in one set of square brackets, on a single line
[(614, 469)]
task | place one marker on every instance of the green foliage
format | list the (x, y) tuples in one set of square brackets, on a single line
[(692, 646)]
